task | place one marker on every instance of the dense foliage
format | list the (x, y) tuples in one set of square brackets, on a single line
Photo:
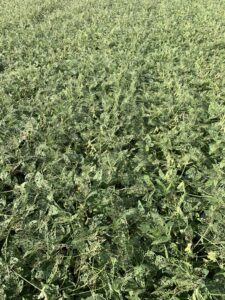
[(112, 149)]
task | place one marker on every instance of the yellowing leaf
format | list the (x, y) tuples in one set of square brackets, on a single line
[(212, 256), (188, 248)]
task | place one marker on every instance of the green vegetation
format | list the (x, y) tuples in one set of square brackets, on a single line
[(112, 149)]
